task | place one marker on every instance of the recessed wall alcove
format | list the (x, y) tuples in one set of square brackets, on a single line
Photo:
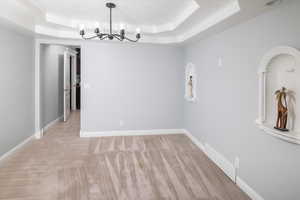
[(190, 82), (280, 67)]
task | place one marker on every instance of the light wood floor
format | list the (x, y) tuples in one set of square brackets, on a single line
[(62, 166)]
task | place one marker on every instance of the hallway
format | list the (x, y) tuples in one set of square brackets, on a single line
[(63, 166)]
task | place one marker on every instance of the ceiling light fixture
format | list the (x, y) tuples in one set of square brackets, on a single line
[(110, 35)]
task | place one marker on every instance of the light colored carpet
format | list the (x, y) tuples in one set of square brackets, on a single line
[(62, 166)]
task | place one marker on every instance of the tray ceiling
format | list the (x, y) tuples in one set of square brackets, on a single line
[(161, 21)]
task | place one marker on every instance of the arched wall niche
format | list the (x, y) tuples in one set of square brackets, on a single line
[(190, 82), (280, 67)]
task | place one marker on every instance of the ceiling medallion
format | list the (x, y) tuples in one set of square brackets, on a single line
[(110, 35)]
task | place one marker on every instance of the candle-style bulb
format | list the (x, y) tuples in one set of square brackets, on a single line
[(81, 27), (122, 26), (138, 30), (97, 25)]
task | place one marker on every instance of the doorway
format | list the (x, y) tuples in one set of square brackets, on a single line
[(59, 84), (70, 82)]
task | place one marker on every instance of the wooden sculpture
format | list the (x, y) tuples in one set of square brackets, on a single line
[(282, 109), (191, 86)]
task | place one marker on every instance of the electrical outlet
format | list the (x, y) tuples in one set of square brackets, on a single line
[(220, 62), (236, 168), (237, 163), (122, 123)]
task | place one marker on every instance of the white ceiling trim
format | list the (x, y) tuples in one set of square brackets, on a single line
[(193, 7), (30, 17), (153, 29), (44, 30), (224, 13), (17, 13), (231, 9), (36, 4)]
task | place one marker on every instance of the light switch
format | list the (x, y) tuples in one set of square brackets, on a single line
[(86, 86)]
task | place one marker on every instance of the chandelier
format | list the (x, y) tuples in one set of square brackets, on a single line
[(102, 36)]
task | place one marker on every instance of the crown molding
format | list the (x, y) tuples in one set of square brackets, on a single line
[(64, 34), (191, 7), (222, 14)]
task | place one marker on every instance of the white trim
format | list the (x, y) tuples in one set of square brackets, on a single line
[(190, 8), (215, 156), (73, 35), (221, 161), (16, 148), (69, 53), (37, 90), (248, 190), (74, 81), (224, 13), (30, 15), (50, 124), (87, 134), (291, 136), (267, 58), (225, 165), (38, 135), (38, 42), (195, 140)]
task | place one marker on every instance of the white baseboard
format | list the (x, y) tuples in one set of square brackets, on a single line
[(49, 125), (19, 146), (248, 190), (215, 156), (38, 135), (221, 161), (225, 165), (86, 134), (195, 140)]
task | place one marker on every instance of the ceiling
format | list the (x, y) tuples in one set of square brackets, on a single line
[(161, 21)]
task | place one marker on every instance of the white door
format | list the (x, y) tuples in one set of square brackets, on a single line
[(74, 81), (67, 87)]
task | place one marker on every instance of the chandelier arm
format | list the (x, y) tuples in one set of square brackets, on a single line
[(117, 36), (103, 35), (131, 40), (100, 35), (89, 38), (106, 36)]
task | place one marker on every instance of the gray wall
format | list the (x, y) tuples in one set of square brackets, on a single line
[(51, 79), (227, 107), (139, 84), (16, 88)]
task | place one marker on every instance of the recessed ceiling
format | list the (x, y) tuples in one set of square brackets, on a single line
[(161, 21), (151, 16), (135, 12)]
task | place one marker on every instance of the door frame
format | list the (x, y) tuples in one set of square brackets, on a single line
[(70, 53), (37, 74), (73, 81)]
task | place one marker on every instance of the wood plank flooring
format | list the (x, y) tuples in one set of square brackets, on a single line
[(62, 166)]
